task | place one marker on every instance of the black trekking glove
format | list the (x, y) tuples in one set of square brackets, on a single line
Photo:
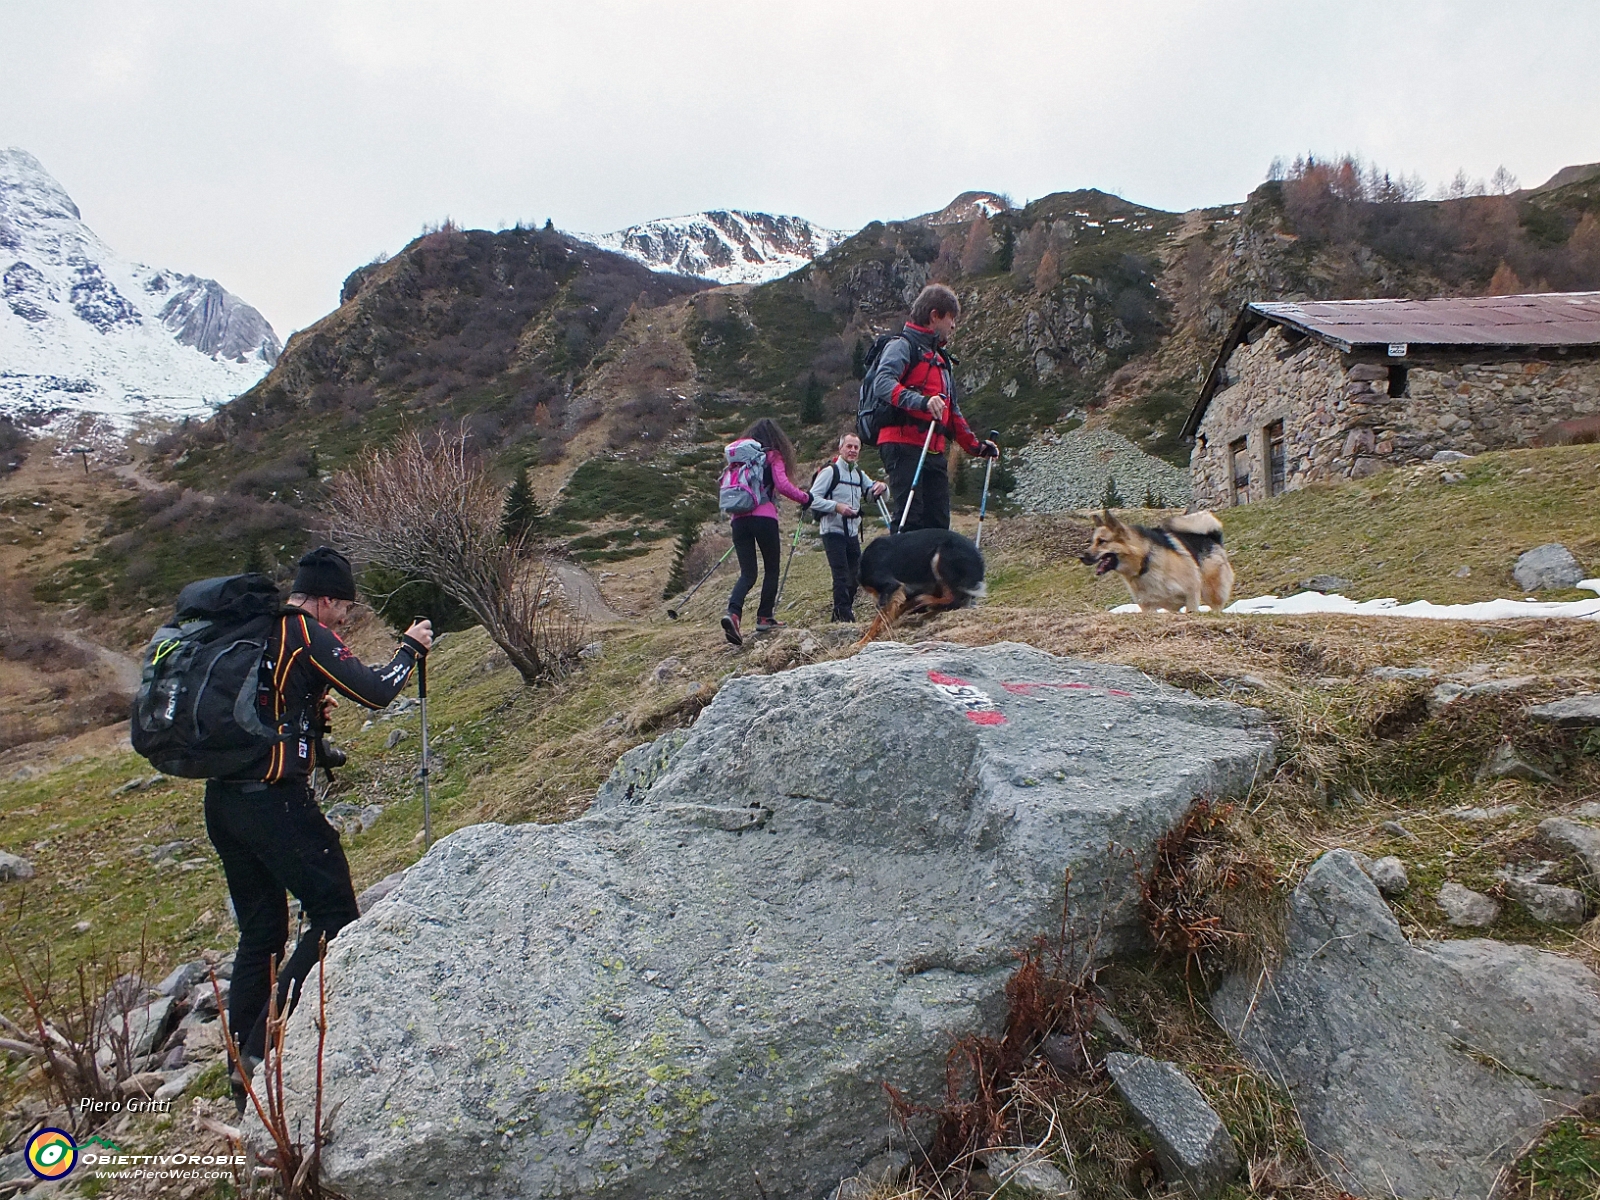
[(988, 450), (806, 503)]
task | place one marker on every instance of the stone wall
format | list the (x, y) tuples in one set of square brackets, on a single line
[(1340, 422)]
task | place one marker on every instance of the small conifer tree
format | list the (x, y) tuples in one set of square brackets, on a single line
[(1007, 253), (858, 360), (1153, 498), (257, 562), (688, 535), (1111, 498), (521, 515), (811, 401), (313, 464)]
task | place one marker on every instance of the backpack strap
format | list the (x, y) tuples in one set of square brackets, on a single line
[(834, 467)]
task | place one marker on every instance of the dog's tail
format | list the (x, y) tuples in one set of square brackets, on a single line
[(1202, 523)]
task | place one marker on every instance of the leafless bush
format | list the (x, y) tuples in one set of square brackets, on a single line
[(430, 510), (81, 1029)]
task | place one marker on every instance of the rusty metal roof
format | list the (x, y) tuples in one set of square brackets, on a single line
[(1545, 319)]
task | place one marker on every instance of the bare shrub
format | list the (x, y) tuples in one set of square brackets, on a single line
[(1208, 899), (80, 1029), (432, 511)]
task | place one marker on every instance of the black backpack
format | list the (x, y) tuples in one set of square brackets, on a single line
[(871, 414), (196, 712)]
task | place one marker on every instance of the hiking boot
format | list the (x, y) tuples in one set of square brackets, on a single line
[(240, 1097), (769, 625), (730, 629)]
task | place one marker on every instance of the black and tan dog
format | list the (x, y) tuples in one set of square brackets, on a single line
[(1180, 564), (926, 568)]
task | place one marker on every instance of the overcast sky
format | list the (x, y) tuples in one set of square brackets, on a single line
[(276, 146)]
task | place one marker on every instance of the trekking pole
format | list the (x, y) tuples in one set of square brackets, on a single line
[(794, 544), (983, 505), (883, 511), (916, 476), (674, 613), (427, 795)]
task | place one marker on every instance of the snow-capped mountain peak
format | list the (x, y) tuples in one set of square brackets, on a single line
[(727, 246), (83, 330)]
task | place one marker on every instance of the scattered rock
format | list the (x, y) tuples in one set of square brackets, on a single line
[(1452, 477), (1416, 1070), (1589, 811), (183, 979), (175, 1086), (12, 867), (1581, 840), (886, 1168), (379, 890), (593, 651), (1449, 456), (1505, 763), (1462, 572), (82, 927), (1395, 829), (1029, 1175), (1467, 909), (396, 736), (710, 995), (1453, 689), (1479, 815), (1329, 583), (1547, 566), (1402, 672), (1191, 1143), (1575, 712), (1388, 874), (1546, 903), (664, 670), (1106, 1020)]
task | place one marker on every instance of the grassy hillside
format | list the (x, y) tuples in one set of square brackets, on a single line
[(1357, 751)]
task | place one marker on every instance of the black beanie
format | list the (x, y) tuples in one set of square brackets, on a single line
[(325, 572)]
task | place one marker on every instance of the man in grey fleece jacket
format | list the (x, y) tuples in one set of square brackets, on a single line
[(837, 495)]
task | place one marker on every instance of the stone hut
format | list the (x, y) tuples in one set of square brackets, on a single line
[(1338, 389)]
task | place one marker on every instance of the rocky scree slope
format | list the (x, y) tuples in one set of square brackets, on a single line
[(718, 963), (83, 330)]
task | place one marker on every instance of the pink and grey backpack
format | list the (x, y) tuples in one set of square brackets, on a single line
[(745, 483)]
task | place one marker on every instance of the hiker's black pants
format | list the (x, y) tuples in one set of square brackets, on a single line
[(750, 534), (844, 560), (273, 839), (930, 507)]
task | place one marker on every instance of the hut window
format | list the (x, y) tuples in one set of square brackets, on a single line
[(1239, 468), (1277, 459), (1397, 381)]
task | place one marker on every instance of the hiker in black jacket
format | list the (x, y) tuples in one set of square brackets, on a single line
[(264, 821)]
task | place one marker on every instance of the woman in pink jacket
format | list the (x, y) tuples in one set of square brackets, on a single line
[(758, 529)]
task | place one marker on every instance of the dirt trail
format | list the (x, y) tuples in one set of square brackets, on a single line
[(125, 670), (584, 593)]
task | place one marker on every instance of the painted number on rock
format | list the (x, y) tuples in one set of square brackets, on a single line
[(979, 709)]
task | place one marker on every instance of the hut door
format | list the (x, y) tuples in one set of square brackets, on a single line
[(1239, 469)]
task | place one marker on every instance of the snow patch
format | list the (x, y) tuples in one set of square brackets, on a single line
[(726, 246), (1484, 610)]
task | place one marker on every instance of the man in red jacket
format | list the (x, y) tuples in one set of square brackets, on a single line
[(914, 379)]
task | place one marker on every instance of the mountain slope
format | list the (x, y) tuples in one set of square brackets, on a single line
[(724, 246), (83, 330)]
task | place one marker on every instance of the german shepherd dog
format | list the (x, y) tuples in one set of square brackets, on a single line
[(923, 569), (1181, 564)]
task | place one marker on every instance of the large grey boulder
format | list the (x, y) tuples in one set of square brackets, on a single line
[(1547, 566), (1191, 1143), (757, 922), (1418, 1071), (14, 867)]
